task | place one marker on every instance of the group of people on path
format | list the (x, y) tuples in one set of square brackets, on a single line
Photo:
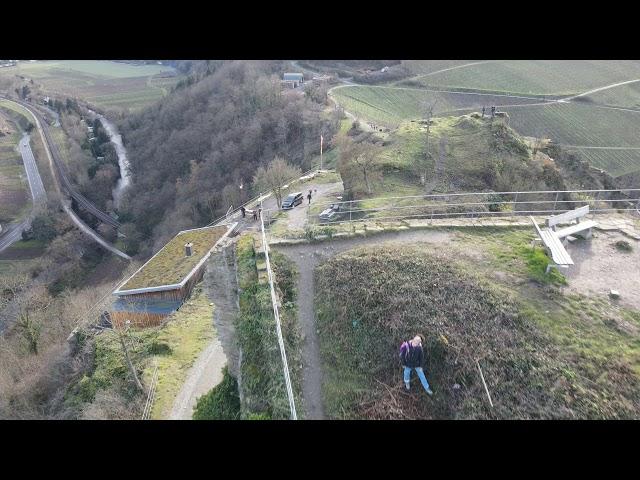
[(256, 212), (493, 111)]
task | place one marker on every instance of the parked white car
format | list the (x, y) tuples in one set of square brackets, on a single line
[(331, 213)]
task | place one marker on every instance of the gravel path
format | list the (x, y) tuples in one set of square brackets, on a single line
[(297, 217), (205, 374), (307, 257), (601, 267)]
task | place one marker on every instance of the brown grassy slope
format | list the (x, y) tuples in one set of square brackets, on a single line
[(370, 300)]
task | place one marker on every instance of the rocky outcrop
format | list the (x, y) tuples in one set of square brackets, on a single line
[(221, 286)]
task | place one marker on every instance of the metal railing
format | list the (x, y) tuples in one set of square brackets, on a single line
[(232, 213), (478, 204), (276, 314)]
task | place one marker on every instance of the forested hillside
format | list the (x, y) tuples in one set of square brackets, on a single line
[(190, 153)]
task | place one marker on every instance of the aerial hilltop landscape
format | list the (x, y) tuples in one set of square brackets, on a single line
[(319, 239)]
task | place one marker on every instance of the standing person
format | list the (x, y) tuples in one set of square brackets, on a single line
[(482, 112), (255, 213), (309, 197), (244, 212), (411, 356), (259, 213)]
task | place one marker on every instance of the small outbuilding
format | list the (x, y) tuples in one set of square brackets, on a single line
[(161, 285), (293, 80)]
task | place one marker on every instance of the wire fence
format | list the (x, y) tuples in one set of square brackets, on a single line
[(470, 205), (276, 314), (146, 413)]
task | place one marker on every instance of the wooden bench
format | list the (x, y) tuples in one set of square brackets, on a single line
[(582, 227), (554, 248)]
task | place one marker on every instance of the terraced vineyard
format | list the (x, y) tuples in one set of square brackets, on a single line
[(626, 96), (390, 106), (586, 126), (422, 67), (544, 77)]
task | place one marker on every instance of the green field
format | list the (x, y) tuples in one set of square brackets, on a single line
[(106, 84), (543, 77), (97, 68), (14, 190)]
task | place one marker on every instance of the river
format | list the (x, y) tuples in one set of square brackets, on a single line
[(125, 176)]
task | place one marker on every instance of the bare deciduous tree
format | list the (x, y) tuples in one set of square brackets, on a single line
[(123, 336), (32, 306), (358, 162), (272, 178), (423, 162)]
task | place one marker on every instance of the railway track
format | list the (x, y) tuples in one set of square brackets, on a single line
[(60, 168)]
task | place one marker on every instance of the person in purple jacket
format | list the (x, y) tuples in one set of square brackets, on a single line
[(412, 356)]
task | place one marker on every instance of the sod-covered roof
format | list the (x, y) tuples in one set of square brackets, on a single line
[(170, 265)]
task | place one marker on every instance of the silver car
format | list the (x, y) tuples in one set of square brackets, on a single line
[(331, 213)]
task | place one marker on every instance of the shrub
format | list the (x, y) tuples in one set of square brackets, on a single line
[(263, 387), (258, 416), (623, 246), (222, 402)]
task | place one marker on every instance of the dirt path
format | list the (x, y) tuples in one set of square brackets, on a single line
[(600, 89), (205, 374), (600, 267), (307, 257)]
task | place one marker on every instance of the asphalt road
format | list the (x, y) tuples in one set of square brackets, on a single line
[(13, 232), (38, 193)]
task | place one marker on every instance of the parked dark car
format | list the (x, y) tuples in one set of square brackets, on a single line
[(292, 200)]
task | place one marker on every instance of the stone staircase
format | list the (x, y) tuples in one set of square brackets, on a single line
[(261, 262)]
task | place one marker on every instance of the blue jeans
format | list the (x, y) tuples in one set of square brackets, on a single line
[(423, 379)]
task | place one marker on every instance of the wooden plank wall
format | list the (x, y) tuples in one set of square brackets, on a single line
[(146, 319), (137, 319)]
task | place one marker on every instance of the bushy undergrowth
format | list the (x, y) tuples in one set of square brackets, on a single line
[(108, 390), (263, 387), (221, 402), (109, 373), (370, 300)]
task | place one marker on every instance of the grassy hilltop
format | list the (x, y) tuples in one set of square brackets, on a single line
[(600, 126)]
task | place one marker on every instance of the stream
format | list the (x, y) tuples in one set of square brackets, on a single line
[(125, 176)]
